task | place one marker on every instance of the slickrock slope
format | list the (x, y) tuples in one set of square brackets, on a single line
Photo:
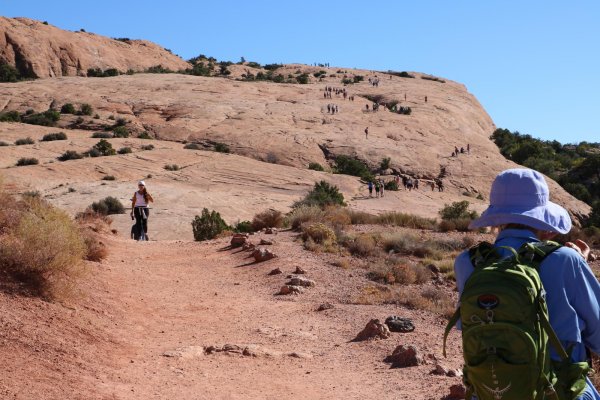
[(42, 51)]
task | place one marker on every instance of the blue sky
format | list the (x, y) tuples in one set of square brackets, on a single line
[(534, 65)]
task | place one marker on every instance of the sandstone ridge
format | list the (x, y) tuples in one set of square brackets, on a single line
[(38, 50)]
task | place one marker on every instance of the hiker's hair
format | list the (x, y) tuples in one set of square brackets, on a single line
[(145, 194)]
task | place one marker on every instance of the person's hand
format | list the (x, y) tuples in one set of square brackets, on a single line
[(581, 247)]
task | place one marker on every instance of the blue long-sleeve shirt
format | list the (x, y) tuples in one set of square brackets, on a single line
[(572, 293)]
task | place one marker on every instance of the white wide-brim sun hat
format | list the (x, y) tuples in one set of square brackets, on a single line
[(521, 196)]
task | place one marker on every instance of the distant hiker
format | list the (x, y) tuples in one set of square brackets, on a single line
[(382, 184), (404, 96), (367, 107), (416, 184), (440, 185), (328, 108), (456, 150), (370, 185), (425, 99), (404, 182), (336, 109), (468, 149), (367, 132), (554, 313), (377, 188), (453, 154), (432, 183), (324, 95), (139, 210), (409, 184), (462, 150)]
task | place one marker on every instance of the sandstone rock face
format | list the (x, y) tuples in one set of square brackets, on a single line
[(44, 51)]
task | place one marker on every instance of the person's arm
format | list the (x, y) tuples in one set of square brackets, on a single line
[(132, 204), (150, 199)]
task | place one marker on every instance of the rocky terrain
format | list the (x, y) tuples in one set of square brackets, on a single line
[(40, 50)]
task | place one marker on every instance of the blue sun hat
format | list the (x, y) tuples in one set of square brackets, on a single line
[(521, 196)]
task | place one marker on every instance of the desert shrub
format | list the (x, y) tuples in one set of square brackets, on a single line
[(352, 166), (405, 220), (86, 109), (272, 158), (192, 146), (402, 74), (10, 116), (43, 250), (272, 67), (302, 79), (172, 167), (102, 135), (96, 116), (448, 225), (243, 227), (315, 166), (347, 81), (432, 78), (102, 148), (319, 233), (319, 74), (364, 245), (208, 226), (404, 274), (148, 147), (124, 150), (67, 108), (8, 73), (305, 214), (34, 194), (2, 144), (54, 136), (121, 132), (120, 122), (323, 194), (95, 249), (158, 69), (221, 148), (410, 244), (358, 78), (107, 206), (337, 216), (27, 161), (391, 185), (47, 118), (267, 219), (70, 155), (385, 163), (109, 178), (361, 217), (457, 210), (21, 142), (145, 135)]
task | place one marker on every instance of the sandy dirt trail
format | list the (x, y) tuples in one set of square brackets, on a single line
[(176, 298)]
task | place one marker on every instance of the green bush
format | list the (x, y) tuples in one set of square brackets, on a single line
[(120, 132), (70, 155), (108, 178), (302, 79), (148, 147), (172, 167), (243, 227), (144, 135), (104, 148), (352, 166), (358, 78), (54, 136), (405, 220), (124, 150), (272, 67), (391, 185), (120, 122), (8, 73), (10, 116), (208, 226), (267, 219), (458, 210), (323, 194), (21, 142), (385, 163), (67, 108), (86, 109), (27, 161), (192, 146), (47, 118), (2, 144), (221, 148), (107, 206), (315, 166), (102, 135)]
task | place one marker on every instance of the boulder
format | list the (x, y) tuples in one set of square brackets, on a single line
[(276, 271), (397, 324), (301, 281), (289, 289), (299, 271), (404, 356), (248, 246), (261, 255), (374, 330), (239, 240)]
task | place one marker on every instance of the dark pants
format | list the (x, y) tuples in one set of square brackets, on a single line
[(141, 219)]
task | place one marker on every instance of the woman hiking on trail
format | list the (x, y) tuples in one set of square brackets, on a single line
[(139, 210)]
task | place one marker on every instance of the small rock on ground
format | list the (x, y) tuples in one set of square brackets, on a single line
[(404, 356), (457, 392), (276, 271), (374, 330), (238, 240), (300, 281), (299, 271), (261, 255), (290, 289), (266, 242), (397, 324), (325, 306)]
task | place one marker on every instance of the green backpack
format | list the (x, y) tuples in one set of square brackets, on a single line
[(506, 331)]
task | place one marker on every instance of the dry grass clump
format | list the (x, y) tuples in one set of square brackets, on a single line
[(363, 245), (405, 274), (319, 237), (92, 225), (337, 216), (342, 263), (267, 219), (44, 249), (303, 215), (361, 218), (411, 244), (406, 220), (448, 225)]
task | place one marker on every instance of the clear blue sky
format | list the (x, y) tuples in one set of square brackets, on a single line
[(534, 65)]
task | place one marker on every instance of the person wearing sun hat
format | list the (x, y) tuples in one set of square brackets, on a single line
[(521, 209)]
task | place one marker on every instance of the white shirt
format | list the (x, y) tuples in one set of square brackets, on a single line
[(139, 200)]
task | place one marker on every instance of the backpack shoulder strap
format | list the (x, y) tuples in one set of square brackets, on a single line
[(482, 253), (536, 252)]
